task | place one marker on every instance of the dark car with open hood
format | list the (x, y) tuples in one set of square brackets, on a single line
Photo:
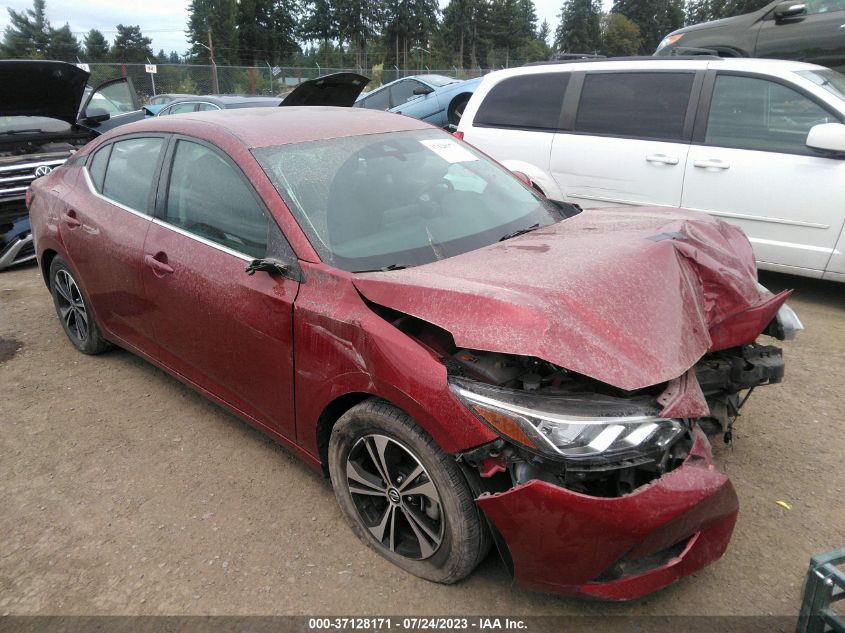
[(468, 362), (43, 121)]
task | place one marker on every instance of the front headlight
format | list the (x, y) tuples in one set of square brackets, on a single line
[(586, 428), (668, 41)]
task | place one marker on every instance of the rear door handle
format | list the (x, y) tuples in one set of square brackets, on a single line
[(713, 163), (662, 159), (69, 218), (158, 266)]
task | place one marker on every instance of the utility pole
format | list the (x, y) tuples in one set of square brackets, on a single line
[(215, 86)]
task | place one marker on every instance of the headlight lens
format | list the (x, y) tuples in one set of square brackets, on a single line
[(585, 428), (668, 41)]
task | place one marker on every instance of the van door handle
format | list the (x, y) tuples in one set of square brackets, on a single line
[(159, 267), (663, 159), (69, 218), (713, 163)]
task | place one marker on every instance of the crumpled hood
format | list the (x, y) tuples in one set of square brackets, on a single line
[(632, 298), (41, 88)]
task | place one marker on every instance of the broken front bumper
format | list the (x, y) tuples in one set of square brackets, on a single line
[(617, 548)]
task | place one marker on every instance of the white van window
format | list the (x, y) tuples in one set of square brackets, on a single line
[(635, 104), (527, 102)]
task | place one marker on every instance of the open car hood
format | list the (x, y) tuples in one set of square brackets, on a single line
[(41, 88), (632, 298), (337, 89)]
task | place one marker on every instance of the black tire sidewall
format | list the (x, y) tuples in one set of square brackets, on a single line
[(94, 342), (450, 114), (448, 564)]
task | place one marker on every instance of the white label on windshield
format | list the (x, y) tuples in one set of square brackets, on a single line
[(449, 150)]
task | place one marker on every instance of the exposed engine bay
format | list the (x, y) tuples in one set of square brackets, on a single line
[(726, 379)]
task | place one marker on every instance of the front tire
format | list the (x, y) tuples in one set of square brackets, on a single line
[(456, 109), (74, 310), (403, 496)]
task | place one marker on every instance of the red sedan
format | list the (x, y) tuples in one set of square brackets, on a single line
[(468, 362)]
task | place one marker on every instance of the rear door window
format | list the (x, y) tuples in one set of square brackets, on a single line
[(635, 104), (97, 168), (131, 167), (209, 197), (527, 102)]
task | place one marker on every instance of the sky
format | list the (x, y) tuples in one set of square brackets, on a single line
[(164, 21)]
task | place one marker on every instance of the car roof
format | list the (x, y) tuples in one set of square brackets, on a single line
[(225, 100), (265, 127), (689, 62)]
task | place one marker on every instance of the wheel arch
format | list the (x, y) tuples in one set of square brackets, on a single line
[(327, 419), (47, 258)]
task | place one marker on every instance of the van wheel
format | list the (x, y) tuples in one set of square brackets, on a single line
[(403, 496)]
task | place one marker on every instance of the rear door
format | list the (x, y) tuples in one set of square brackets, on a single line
[(628, 141), (749, 165), (224, 330), (104, 222)]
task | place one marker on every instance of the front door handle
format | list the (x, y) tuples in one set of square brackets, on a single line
[(663, 159), (713, 163), (69, 218), (158, 263)]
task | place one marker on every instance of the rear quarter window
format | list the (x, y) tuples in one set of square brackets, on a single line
[(526, 102), (636, 104)]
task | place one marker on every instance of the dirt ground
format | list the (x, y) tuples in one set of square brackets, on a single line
[(124, 492)]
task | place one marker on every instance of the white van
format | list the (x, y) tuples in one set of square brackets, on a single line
[(760, 143)]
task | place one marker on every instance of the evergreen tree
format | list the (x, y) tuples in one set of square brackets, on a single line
[(320, 24), (96, 48), (655, 18), (544, 31), (266, 32), (63, 45), (130, 45), (579, 29), (28, 32), (463, 32), (219, 17), (620, 36), (357, 23), (174, 58)]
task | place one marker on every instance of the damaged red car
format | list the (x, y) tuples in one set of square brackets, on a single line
[(471, 364)]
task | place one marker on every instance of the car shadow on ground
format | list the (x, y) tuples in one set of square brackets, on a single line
[(817, 291)]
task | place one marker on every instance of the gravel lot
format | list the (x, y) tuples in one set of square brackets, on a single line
[(124, 492)]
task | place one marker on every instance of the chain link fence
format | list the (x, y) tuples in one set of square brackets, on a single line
[(242, 80)]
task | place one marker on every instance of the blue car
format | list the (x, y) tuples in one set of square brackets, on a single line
[(434, 98)]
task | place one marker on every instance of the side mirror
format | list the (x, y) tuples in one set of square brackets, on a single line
[(95, 115), (786, 10), (423, 90), (827, 138)]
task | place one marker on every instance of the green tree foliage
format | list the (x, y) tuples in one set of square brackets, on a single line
[(579, 30), (130, 45), (358, 23), (463, 32), (63, 45), (266, 32), (95, 46), (219, 17), (655, 18), (620, 36), (28, 33)]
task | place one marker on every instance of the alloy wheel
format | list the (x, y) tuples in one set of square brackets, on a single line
[(396, 500), (71, 305)]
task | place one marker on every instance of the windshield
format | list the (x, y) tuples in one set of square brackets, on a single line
[(399, 199), (438, 80), (830, 80)]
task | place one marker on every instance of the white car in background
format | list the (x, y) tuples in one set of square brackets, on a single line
[(760, 143)]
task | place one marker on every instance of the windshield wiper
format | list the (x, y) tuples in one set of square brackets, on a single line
[(384, 269), (527, 229)]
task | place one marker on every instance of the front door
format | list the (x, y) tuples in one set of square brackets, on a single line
[(226, 331), (753, 169), (817, 37)]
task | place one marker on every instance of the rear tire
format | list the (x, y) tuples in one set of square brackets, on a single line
[(436, 532), (74, 310)]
